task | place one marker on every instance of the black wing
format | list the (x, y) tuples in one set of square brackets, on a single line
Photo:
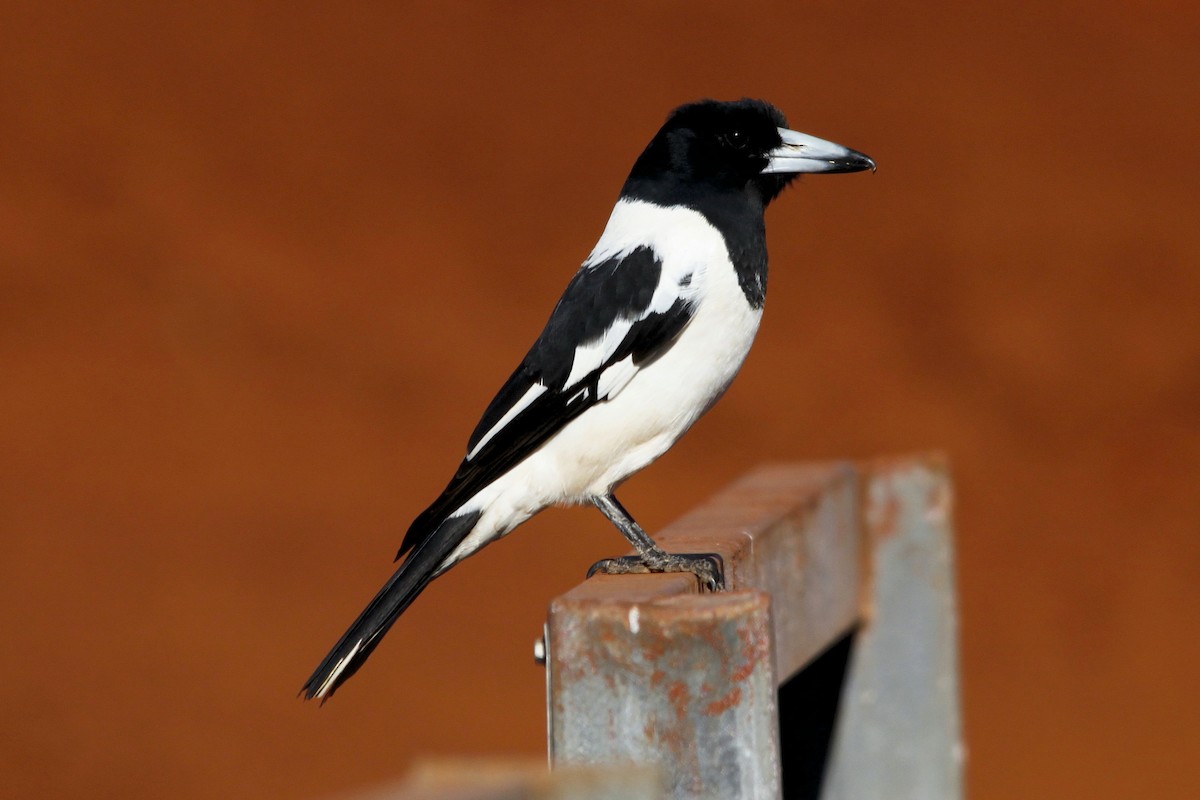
[(611, 311)]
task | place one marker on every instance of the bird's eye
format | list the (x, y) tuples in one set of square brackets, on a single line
[(735, 139)]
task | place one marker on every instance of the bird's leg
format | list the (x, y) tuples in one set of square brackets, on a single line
[(708, 567)]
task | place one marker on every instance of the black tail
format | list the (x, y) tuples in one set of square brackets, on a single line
[(396, 595)]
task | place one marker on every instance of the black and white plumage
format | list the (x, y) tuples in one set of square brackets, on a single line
[(647, 336)]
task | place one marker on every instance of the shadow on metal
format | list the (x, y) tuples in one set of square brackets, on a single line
[(808, 708)]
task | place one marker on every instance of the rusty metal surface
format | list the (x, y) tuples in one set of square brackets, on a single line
[(683, 681), (899, 733), (790, 530), (642, 667)]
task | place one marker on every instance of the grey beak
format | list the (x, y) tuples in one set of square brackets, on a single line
[(803, 153)]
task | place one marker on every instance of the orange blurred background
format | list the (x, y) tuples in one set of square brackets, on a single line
[(262, 266)]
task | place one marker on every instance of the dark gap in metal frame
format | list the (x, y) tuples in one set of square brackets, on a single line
[(808, 707)]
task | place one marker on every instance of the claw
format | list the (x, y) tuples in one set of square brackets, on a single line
[(709, 568)]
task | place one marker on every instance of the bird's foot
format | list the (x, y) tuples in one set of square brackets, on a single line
[(709, 568)]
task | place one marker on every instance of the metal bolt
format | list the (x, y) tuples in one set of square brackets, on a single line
[(539, 650)]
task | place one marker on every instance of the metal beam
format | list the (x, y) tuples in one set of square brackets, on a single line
[(899, 734), (643, 668)]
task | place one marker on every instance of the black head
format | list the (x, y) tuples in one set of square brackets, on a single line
[(738, 146), (723, 144)]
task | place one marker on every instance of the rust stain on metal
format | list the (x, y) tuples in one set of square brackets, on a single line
[(883, 509), (755, 650), (743, 672), (673, 739), (940, 505), (679, 696), (885, 520), (754, 645), (728, 701), (654, 649)]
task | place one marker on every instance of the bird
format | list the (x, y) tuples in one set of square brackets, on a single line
[(646, 337)]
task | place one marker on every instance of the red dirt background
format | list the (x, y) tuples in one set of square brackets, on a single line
[(262, 265)]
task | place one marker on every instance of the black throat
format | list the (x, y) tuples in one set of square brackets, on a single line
[(738, 215)]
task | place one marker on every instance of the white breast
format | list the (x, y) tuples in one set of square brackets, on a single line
[(666, 397)]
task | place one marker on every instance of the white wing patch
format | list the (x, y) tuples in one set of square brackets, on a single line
[(535, 391), (683, 242), (589, 357), (615, 377)]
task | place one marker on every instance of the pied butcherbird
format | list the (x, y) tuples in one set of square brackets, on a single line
[(647, 336)]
